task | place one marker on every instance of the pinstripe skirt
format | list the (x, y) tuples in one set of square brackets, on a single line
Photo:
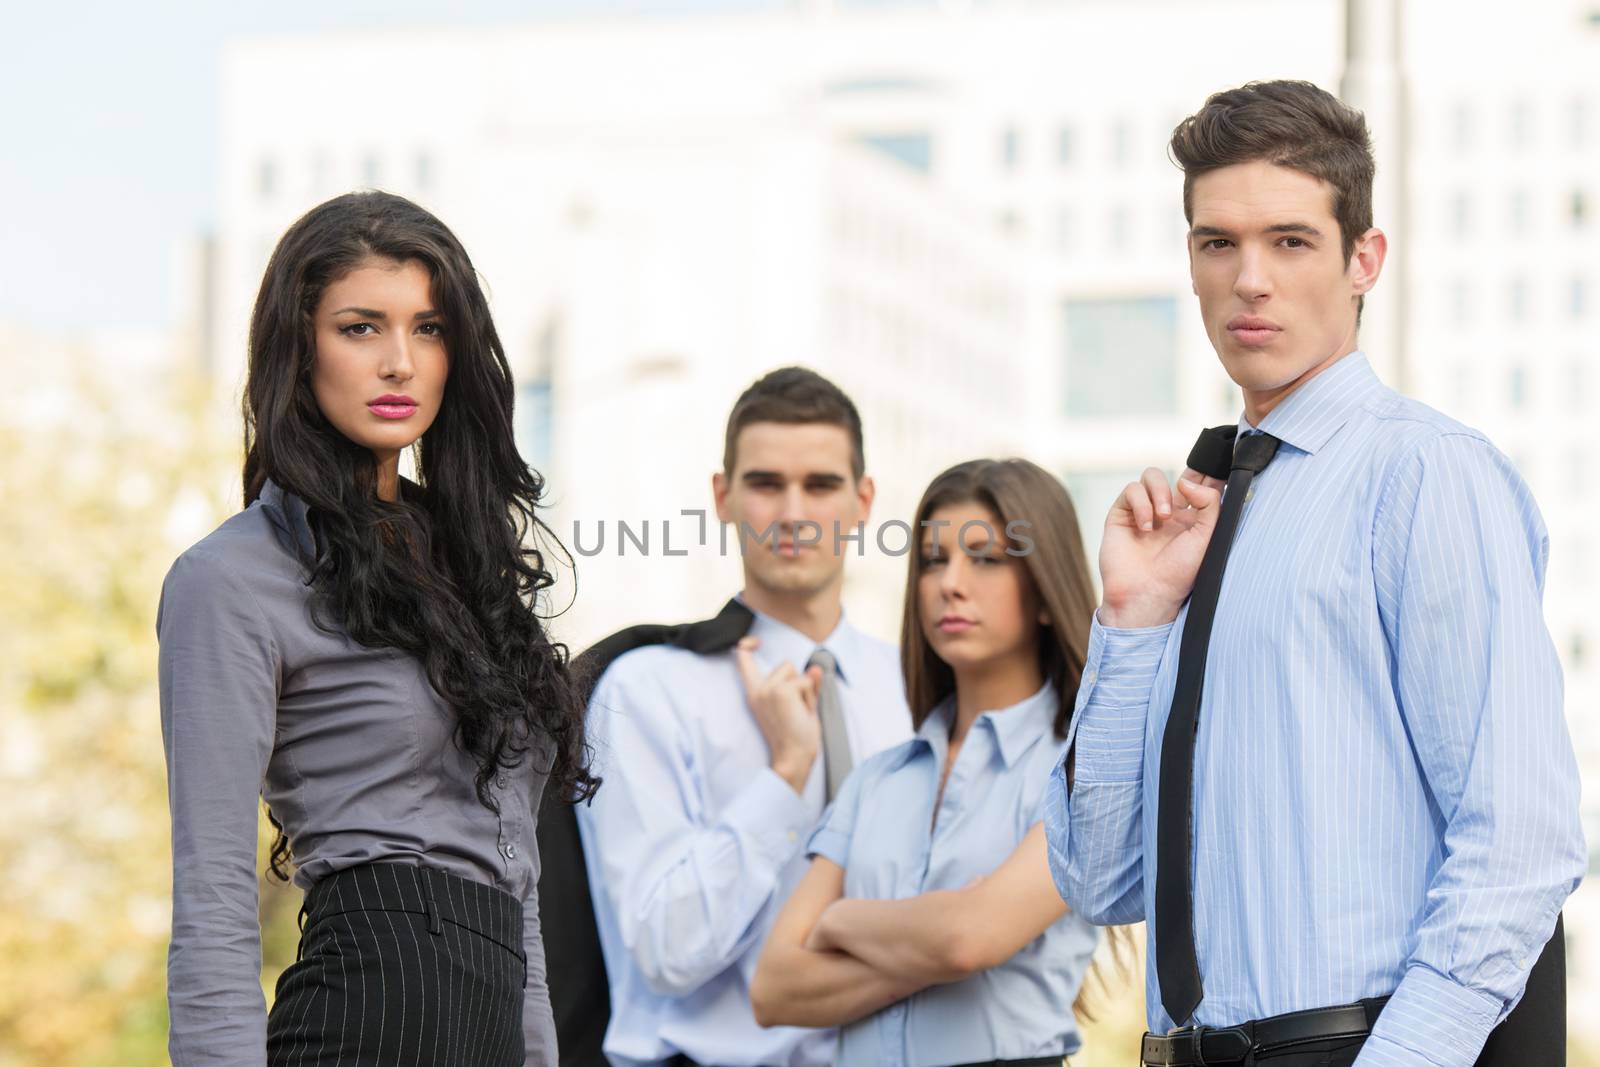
[(402, 965)]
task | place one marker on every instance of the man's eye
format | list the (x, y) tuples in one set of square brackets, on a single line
[(1293, 242), (1215, 243)]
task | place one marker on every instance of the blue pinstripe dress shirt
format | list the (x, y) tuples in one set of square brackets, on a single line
[(1385, 797)]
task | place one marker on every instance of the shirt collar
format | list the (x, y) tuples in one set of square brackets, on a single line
[(289, 514), (1307, 418), (780, 641), (1016, 728)]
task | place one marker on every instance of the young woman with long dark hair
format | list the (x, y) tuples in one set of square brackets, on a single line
[(363, 652), (928, 927)]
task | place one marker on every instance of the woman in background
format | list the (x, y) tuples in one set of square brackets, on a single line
[(928, 925), (363, 651)]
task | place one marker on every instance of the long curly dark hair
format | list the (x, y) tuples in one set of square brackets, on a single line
[(448, 572)]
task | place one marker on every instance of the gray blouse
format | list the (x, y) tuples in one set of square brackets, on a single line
[(351, 747)]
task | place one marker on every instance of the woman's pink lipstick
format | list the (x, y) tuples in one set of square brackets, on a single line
[(392, 406)]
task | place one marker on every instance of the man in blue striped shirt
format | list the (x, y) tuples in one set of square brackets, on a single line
[(1384, 799)]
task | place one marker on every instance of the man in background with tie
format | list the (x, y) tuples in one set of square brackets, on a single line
[(720, 746), (1329, 767)]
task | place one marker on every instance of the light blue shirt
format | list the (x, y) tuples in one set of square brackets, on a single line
[(878, 830), (693, 843), (1385, 793)]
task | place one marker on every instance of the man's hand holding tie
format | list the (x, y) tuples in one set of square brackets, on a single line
[(784, 704), (1153, 543)]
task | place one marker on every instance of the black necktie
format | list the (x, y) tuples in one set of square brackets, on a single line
[(1176, 964)]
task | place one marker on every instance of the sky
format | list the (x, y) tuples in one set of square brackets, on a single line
[(108, 135)]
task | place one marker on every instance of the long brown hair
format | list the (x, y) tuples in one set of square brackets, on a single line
[(1038, 518)]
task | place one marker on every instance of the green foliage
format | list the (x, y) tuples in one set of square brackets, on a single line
[(98, 502)]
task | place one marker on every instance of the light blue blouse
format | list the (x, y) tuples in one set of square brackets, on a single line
[(878, 831)]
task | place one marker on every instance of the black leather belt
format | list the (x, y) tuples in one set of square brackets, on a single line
[(1202, 1046)]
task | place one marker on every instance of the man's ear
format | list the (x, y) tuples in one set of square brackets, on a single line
[(866, 492), (719, 495), (1366, 261)]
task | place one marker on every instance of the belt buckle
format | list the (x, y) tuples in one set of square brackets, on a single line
[(1178, 1046), (1198, 1045), (1221, 1044)]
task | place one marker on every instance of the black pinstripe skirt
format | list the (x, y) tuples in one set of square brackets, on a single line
[(402, 965)]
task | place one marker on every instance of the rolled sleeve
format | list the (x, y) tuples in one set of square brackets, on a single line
[(832, 837)]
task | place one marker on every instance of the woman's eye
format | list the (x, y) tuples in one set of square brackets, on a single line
[(432, 329), (356, 329)]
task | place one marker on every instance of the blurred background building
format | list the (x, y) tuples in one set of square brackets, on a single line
[(963, 212)]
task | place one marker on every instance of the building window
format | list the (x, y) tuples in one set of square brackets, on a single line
[(1460, 215), (1464, 384), (1517, 388), (1092, 492), (535, 409), (1462, 126), (1517, 300), (1121, 143), (1010, 148), (1520, 123), (1064, 145), (914, 148), (1578, 386), (1064, 230), (1119, 228), (1521, 211), (266, 178), (1578, 298), (1460, 303), (1121, 357), (1579, 126), (1577, 209), (1577, 651), (321, 172)]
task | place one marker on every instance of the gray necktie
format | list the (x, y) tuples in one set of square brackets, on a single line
[(830, 709)]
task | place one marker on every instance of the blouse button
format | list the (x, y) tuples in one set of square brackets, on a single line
[(500, 780), (511, 852)]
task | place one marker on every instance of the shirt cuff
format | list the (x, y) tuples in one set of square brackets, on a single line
[(830, 844), (1113, 699), (1430, 1021), (772, 816)]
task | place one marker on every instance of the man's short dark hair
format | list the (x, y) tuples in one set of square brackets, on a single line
[(1293, 124), (795, 395)]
